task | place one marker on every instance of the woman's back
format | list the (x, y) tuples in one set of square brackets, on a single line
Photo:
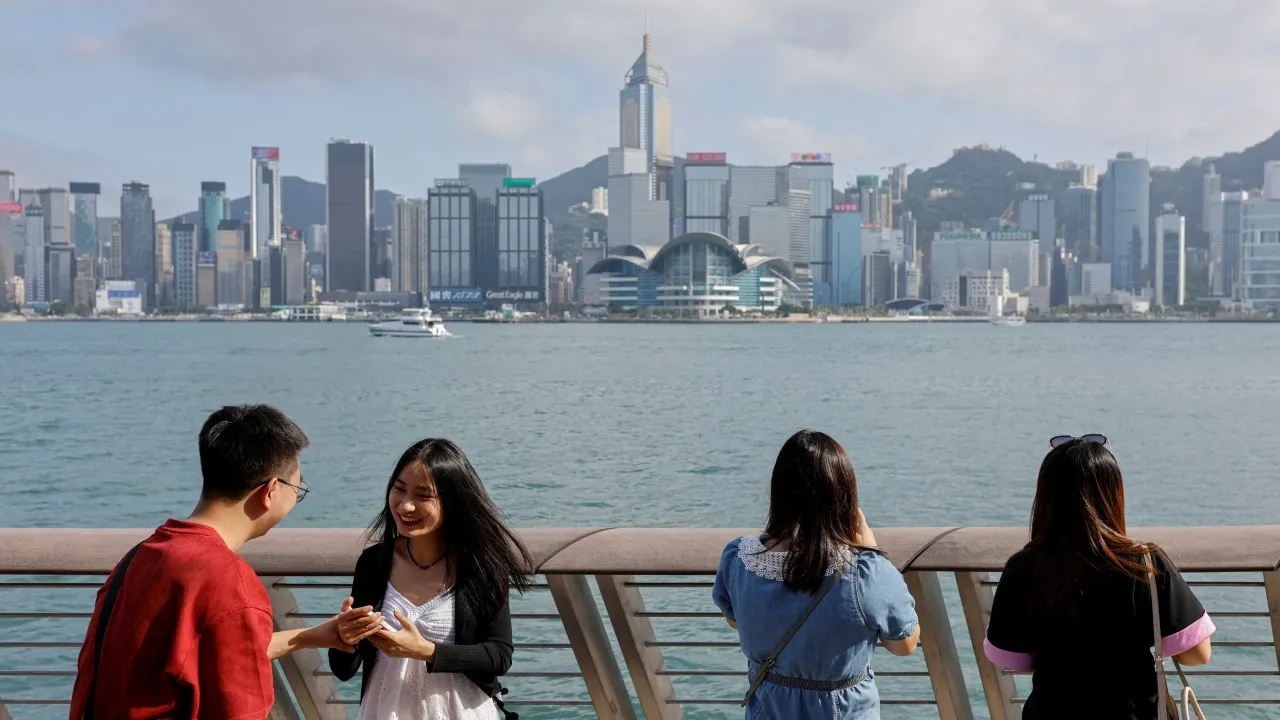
[(832, 650), (1094, 660)]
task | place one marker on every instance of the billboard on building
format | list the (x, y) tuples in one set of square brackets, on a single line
[(845, 207), (514, 295), (460, 295), (10, 208), (706, 157), (1011, 235), (811, 158), (962, 235), (868, 181), (266, 153), (207, 257), (122, 294), (519, 182)]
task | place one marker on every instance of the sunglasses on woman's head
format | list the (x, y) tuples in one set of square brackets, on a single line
[(1057, 440)]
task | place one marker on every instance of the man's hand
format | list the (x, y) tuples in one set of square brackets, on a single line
[(408, 643), (352, 625)]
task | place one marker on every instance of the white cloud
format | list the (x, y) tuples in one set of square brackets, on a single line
[(499, 115), (1178, 74)]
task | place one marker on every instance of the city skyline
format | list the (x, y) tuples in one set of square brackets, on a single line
[(961, 64)]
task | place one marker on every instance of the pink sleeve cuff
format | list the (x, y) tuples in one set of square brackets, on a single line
[(1015, 661), (1192, 636)]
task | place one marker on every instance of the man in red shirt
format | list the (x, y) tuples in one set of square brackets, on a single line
[(190, 632)]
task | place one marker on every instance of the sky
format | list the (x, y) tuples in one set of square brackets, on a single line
[(174, 92)]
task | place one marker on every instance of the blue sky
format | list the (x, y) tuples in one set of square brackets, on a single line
[(173, 92)]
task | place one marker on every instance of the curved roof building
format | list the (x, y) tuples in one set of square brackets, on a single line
[(703, 271)]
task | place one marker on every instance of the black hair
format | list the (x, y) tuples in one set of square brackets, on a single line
[(243, 445), (813, 504), (489, 559), (1078, 526)]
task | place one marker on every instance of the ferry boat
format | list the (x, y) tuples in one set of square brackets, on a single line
[(414, 322), (996, 303)]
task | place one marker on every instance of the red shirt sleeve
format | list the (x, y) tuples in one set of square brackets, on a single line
[(234, 677)]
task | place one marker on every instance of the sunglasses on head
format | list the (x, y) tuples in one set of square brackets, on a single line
[(1057, 440)]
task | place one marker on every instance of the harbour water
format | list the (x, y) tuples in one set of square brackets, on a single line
[(645, 425)]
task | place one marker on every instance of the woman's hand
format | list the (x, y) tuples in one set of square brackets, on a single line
[(862, 535), (356, 624), (408, 643)]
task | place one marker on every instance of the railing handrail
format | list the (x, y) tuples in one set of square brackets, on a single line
[(633, 551)]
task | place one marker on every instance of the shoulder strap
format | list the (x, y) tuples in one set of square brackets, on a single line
[(108, 604), (770, 661), (1162, 683)]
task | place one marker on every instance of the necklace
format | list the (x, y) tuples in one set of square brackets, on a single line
[(409, 547)]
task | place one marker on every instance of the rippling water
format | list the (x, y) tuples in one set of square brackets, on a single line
[(645, 425)]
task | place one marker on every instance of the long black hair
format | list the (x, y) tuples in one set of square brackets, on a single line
[(1078, 527), (490, 559), (813, 504)]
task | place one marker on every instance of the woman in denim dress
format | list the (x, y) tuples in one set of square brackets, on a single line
[(765, 582)]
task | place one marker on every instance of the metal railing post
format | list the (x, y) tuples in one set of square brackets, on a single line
[(590, 643), (283, 708), (634, 631), (939, 647), (4, 713), (1271, 581), (311, 690), (975, 598)]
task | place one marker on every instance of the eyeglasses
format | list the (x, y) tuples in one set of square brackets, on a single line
[(1057, 440), (301, 488)]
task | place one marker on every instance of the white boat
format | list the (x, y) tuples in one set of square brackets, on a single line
[(1009, 320), (414, 322)]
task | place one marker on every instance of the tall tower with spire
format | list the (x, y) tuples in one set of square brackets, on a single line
[(645, 116)]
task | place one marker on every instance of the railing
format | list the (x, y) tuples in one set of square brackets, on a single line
[(658, 659)]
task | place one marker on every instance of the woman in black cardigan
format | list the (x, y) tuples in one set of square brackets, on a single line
[(435, 584)]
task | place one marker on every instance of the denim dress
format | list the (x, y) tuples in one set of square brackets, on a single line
[(825, 671)]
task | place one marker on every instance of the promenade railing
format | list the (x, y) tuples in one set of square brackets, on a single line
[(645, 641)]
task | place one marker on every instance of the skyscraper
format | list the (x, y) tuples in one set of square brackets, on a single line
[(265, 217), (138, 236), (1126, 220), (57, 216), (84, 227), (1035, 214), (522, 244), (8, 186), (164, 264), (450, 232), (485, 179), (349, 212), (645, 118), (706, 194), (1211, 225), (214, 208), (1170, 260), (1080, 225), (112, 264), (635, 218), (232, 282), (815, 174), (186, 243), (1232, 237), (409, 231), (33, 262)]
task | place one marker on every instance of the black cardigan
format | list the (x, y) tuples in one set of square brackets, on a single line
[(483, 646)]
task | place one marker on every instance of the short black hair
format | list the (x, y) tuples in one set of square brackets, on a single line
[(243, 445)]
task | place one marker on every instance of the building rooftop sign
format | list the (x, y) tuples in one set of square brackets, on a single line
[(706, 157), (519, 182), (811, 158)]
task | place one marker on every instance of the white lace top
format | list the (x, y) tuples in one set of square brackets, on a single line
[(769, 564), (402, 689)]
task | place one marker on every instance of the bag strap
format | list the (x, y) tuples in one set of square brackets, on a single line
[(1162, 682), (770, 661), (108, 604)]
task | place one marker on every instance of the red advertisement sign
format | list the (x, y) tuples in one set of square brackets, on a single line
[(266, 153), (11, 208), (705, 157), (844, 207)]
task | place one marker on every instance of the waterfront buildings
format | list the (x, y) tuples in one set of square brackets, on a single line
[(33, 253), (109, 235), (349, 194), (12, 237), (164, 265), (1125, 199), (811, 254), (214, 208), (706, 193), (1211, 223), (85, 284), (409, 223), (485, 180), (295, 271), (1258, 283), (451, 207), (266, 219), (8, 186), (1020, 254), (1095, 279), (84, 226), (1170, 259), (975, 290), (186, 247), (118, 297), (588, 286), (1232, 212), (15, 291), (700, 273), (138, 235), (1036, 215), (230, 263), (317, 238), (60, 273), (635, 217)]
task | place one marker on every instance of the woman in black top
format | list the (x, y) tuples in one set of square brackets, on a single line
[(438, 631), (1074, 604)]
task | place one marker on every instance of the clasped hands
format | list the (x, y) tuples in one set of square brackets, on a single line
[(355, 624)]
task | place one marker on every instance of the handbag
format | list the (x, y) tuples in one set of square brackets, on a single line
[(767, 666), (1186, 705)]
